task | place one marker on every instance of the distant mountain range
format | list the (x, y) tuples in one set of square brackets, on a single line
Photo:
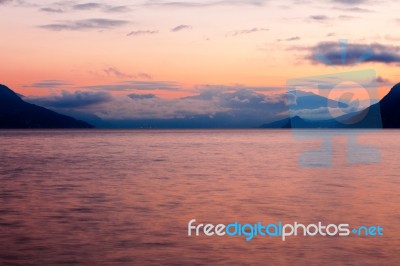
[(16, 113), (384, 114)]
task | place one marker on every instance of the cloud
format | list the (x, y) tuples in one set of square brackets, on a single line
[(142, 32), (344, 17), (237, 102), (78, 99), (353, 9), (19, 3), (351, 2), (292, 39), (61, 7), (324, 18), (138, 86), (330, 53), (115, 72), (181, 27), (244, 99), (52, 10), (146, 106), (49, 84), (235, 87), (117, 9), (205, 3), (86, 24), (295, 38), (319, 17), (134, 96), (87, 6), (211, 105), (247, 31), (239, 107)]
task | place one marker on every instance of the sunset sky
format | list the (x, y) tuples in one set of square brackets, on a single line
[(174, 49)]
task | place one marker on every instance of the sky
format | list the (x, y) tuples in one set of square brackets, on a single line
[(177, 58)]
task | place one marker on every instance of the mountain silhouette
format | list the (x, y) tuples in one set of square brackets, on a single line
[(16, 113), (390, 108), (384, 114)]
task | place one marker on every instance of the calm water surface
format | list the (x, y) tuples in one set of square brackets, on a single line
[(125, 198)]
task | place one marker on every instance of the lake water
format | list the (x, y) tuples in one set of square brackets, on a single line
[(125, 197)]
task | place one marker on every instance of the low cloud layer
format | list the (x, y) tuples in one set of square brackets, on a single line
[(228, 106), (241, 105)]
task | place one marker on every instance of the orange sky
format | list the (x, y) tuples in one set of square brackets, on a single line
[(251, 43)]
